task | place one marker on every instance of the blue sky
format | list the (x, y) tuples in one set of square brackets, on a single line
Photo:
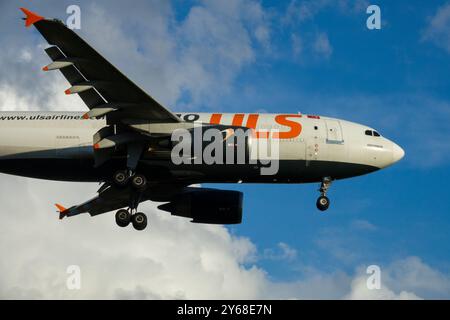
[(316, 57), (401, 76)]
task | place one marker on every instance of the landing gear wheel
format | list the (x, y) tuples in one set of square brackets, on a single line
[(123, 218), (139, 221), (139, 181), (323, 203), (120, 178)]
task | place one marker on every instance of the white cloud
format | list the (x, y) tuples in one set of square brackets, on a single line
[(363, 225), (173, 258), (283, 252), (190, 61), (322, 45), (300, 11), (438, 29), (408, 278), (359, 291), (297, 44)]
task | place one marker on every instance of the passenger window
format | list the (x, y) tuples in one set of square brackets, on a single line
[(316, 127), (376, 134), (368, 132)]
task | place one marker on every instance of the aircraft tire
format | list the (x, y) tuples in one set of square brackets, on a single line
[(123, 218), (139, 221), (120, 178), (139, 181), (323, 203)]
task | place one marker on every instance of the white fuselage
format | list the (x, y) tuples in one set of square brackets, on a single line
[(28, 136)]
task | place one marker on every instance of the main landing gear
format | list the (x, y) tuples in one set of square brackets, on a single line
[(122, 178), (125, 217), (323, 202), (138, 183)]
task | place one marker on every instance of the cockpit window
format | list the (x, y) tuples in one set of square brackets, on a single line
[(372, 133)]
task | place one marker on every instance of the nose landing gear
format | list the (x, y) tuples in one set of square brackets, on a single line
[(323, 202)]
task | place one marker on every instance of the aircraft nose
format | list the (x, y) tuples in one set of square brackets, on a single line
[(397, 152)]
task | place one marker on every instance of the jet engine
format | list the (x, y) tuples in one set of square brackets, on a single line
[(207, 206)]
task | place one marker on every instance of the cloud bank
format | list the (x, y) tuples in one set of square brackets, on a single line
[(181, 62)]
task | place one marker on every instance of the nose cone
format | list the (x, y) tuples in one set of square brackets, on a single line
[(397, 152)]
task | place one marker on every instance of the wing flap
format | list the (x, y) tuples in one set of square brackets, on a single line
[(91, 97)]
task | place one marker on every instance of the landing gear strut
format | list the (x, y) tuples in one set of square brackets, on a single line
[(323, 202), (138, 183)]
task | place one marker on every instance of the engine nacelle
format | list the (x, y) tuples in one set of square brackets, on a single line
[(207, 206)]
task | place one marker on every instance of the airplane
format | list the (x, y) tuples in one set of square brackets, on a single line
[(125, 141)]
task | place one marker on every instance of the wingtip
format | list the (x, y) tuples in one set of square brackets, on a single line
[(61, 210), (45, 68), (31, 17), (60, 207), (68, 91)]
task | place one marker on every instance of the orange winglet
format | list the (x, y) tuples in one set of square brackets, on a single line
[(60, 207), (31, 18), (68, 91), (62, 211), (45, 68)]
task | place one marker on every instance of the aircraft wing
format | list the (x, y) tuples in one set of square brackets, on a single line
[(109, 198), (102, 87)]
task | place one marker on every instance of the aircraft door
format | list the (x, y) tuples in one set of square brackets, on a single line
[(334, 131)]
